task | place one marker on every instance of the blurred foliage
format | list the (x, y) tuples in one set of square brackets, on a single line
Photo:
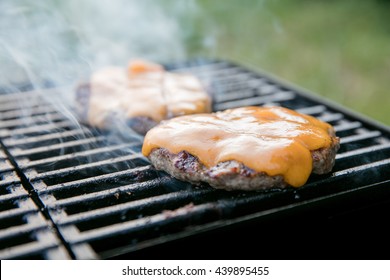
[(337, 49)]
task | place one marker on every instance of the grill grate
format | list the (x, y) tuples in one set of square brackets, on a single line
[(71, 192), (24, 232)]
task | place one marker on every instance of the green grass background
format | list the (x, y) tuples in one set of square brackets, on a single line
[(337, 49)]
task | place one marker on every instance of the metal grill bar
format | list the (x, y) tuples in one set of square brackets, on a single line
[(15, 212), (149, 185), (39, 109), (4, 166), (27, 231), (78, 142), (234, 94), (19, 194), (41, 138), (249, 83), (181, 215), (101, 178), (27, 250), (317, 109), (350, 172), (76, 155), (355, 138), (81, 167), (157, 201), (361, 151), (18, 104), (8, 178), (364, 167), (280, 96), (39, 128), (20, 230), (211, 70), (347, 126), (27, 120), (331, 117), (21, 95)]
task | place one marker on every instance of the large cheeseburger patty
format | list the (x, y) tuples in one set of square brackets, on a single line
[(249, 148)]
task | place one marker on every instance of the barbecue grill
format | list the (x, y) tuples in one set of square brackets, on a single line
[(71, 192)]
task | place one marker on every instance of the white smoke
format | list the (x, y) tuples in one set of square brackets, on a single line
[(63, 41)]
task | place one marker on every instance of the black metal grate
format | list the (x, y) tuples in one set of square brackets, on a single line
[(71, 192), (24, 232)]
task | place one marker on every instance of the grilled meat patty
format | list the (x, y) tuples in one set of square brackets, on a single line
[(140, 124), (251, 148), (141, 97), (231, 175)]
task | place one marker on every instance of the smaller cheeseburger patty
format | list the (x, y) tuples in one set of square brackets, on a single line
[(248, 148), (142, 95)]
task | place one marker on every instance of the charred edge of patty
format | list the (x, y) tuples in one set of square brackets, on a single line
[(233, 175), (141, 124), (229, 175), (325, 158)]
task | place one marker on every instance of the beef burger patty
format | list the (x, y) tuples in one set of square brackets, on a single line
[(141, 95), (248, 148)]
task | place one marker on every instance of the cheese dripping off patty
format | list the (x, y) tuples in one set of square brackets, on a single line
[(273, 140)]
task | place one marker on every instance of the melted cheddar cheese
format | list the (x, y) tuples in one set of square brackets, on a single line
[(274, 140), (145, 89)]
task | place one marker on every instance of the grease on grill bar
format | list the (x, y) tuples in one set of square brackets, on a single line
[(68, 192)]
